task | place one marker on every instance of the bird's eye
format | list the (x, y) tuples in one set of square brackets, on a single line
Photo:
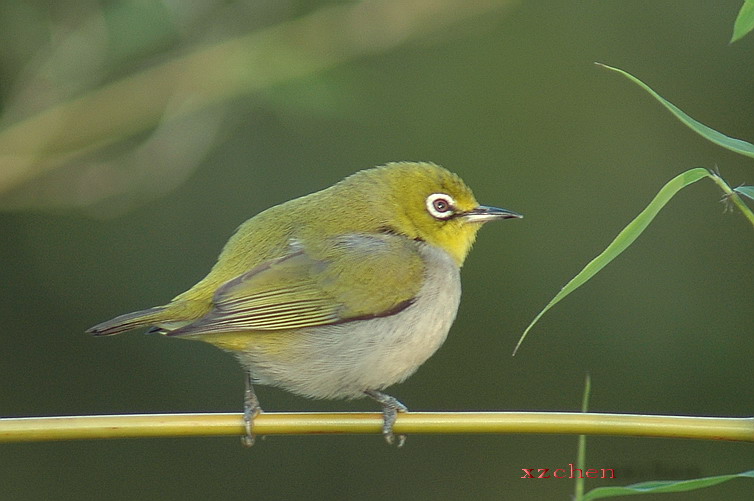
[(440, 205)]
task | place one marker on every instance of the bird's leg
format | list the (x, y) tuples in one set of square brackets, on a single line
[(251, 409), (390, 409)]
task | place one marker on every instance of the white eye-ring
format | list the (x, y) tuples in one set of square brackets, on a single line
[(441, 206)]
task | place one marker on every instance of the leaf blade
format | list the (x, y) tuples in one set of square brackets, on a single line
[(747, 191), (624, 239), (744, 21), (736, 145), (663, 486)]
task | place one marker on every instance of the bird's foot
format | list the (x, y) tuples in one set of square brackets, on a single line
[(390, 409), (251, 409)]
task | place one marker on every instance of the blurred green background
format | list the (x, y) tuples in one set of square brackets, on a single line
[(136, 135)]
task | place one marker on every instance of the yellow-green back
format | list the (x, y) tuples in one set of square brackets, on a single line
[(387, 199)]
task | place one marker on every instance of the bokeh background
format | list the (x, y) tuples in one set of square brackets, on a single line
[(136, 135)]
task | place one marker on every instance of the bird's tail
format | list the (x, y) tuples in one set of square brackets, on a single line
[(127, 322)]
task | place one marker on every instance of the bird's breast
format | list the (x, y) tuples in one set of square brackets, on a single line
[(343, 360)]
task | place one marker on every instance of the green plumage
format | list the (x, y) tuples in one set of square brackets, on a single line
[(337, 280), (336, 294)]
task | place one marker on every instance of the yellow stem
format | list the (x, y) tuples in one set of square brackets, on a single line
[(732, 197), (281, 423), (208, 75)]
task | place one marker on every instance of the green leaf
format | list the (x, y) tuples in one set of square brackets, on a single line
[(744, 22), (662, 486), (747, 191), (625, 238), (736, 145)]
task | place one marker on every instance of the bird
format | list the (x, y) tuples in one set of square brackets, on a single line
[(338, 294)]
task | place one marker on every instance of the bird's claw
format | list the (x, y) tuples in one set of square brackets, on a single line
[(251, 409), (249, 437), (391, 406)]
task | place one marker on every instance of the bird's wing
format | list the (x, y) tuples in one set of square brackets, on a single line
[(351, 277)]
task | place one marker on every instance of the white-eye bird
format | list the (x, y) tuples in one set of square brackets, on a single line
[(337, 294)]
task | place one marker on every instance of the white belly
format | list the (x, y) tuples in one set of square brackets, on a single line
[(344, 360)]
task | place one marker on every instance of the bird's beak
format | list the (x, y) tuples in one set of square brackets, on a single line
[(483, 213)]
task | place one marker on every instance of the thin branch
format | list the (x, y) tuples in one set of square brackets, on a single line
[(212, 74), (732, 197), (281, 423)]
